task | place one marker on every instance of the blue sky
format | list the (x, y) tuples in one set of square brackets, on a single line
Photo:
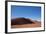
[(33, 12)]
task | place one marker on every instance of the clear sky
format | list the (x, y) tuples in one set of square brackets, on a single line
[(33, 12)]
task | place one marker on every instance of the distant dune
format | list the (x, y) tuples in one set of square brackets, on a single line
[(24, 23)]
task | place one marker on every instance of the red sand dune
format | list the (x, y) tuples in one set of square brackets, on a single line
[(24, 23)]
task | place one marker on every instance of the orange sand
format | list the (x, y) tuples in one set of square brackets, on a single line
[(27, 25)]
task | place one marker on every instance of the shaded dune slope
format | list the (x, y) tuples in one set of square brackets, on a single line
[(21, 21)]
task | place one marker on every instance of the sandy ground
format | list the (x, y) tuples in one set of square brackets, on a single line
[(27, 25)]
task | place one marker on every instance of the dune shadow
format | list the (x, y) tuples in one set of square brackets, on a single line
[(21, 21)]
